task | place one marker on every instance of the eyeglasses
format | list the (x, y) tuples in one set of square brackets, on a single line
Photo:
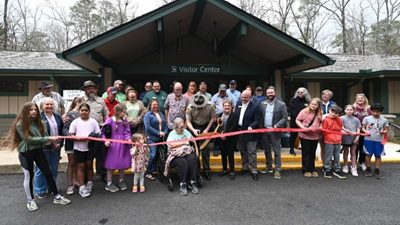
[(299, 92), (259, 90), (148, 86)]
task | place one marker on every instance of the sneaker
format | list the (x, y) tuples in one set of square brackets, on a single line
[(150, 177), (345, 169), (267, 170), (193, 186), (134, 189), (315, 174), (122, 185), (223, 173), (277, 174), (32, 206), (70, 190), (42, 195), (354, 171), (378, 173), (328, 174), (182, 189), (83, 192), (308, 174), (111, 188), (89, 186), (142, 189), (368, 172), (339, 174), (363, 166), (61, 200)]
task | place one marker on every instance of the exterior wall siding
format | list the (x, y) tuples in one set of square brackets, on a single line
[(393, 98)]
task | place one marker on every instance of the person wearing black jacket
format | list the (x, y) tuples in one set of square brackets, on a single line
[(247, 112), (229, 123), (300, 100)]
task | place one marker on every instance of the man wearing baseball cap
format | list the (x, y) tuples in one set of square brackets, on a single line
[(219, 97), (120, 96), (111, 100), (232, 92)]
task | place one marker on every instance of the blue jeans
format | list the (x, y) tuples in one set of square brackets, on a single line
[(151, 166), (53, 158)]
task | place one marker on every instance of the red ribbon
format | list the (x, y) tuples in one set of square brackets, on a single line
[(218, 135)]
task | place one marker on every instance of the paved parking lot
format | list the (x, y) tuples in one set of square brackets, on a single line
[(291, 200)]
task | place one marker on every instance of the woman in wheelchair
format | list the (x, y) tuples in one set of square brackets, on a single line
[(183, 156)]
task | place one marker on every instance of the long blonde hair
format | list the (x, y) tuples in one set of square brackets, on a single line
[(307, 95), (366, 102), (319, 109)]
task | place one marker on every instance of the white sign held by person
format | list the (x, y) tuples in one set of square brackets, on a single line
[(71, 94)]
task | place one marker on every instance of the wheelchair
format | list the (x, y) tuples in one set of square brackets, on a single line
[(162, 154)]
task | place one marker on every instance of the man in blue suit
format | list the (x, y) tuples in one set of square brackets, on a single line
[(247, 112)]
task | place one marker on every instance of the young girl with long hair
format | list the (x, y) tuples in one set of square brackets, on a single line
[(73, 113), (117, 156), (310, 119), (27, 134)]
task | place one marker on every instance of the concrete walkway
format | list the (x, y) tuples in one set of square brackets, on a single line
[(9, 163)]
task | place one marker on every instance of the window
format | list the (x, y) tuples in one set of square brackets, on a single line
[(13, 87)]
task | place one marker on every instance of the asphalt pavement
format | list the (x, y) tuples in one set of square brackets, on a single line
[(292, 200)]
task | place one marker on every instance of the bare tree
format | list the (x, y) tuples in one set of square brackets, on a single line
[(338, 9), (309, 20), (359, 29), (5, 25), (281, 12), (257, 8)]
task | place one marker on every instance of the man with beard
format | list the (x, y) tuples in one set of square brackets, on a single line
[(156, 93), (203, 90), (120, 95), (175, 105), (273, 114), (99, 112)]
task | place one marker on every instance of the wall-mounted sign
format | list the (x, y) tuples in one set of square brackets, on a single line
[(71, 94), (195, 69)]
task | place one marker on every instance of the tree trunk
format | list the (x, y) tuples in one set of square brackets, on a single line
[(5, 22)]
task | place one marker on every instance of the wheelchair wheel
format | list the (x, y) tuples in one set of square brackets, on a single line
[(169, 184)]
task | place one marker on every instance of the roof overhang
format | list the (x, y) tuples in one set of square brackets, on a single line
[(240, 39)]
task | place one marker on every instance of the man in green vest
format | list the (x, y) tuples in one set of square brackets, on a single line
[(158, 94)]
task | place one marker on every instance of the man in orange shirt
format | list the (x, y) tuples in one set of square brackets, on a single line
[(332, 141)]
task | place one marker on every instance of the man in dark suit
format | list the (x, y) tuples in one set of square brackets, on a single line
[(273, 114), (247, 112)]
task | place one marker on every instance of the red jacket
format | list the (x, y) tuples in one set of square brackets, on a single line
[(333, 124), (110, 106)]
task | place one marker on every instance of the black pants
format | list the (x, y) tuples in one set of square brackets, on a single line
[(308, 148), (227, 148), (38, 157), (99, 154), (292, 139), (360, 150), (186, 165)]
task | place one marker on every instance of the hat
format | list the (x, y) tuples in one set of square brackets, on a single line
[(45, 84), (89, 83), (112, 90), (198, 100), (232, 82), (222, 87), (118, 82), (258, 88)]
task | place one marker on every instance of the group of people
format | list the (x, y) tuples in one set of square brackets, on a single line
[(155, 116)]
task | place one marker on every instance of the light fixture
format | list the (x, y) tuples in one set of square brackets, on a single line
[(179, 41), (215, 39)]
